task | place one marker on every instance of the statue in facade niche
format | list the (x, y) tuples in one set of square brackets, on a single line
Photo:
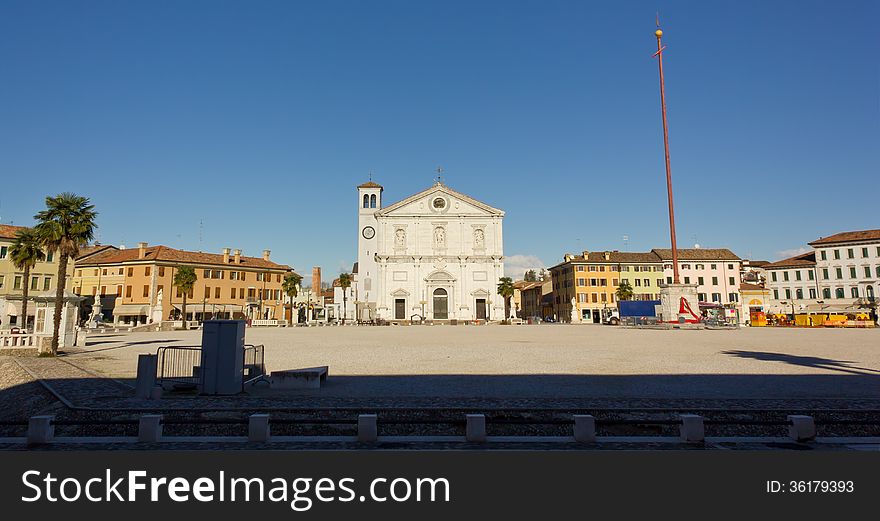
[(479, 238), (400, 238), (439, 236)]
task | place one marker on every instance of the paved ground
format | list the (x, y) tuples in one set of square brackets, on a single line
[(548, 361)]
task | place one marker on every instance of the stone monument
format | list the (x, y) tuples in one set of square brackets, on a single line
[(158, 314), (679, 304), (96, 317)]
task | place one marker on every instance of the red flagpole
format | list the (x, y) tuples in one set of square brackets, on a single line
[(659, 55)]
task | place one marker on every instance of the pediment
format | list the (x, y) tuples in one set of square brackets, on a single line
[(439, 200), (440, 276)]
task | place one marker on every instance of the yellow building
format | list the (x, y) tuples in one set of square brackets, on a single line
[(592, 278), (229, 285), (43, 278)]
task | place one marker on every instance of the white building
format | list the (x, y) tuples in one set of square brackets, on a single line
[(848, 265), (437, 254), (792, 284), (715, 271)]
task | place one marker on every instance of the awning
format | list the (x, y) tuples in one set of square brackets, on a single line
[(831, 308), (131, 310)]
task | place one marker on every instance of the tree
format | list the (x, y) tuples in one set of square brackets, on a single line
[(624, 291), (25, 253), (531, 276), (290, 286), (344, 283), (506, 290), (542, 275), (184, 280), (66, 225)]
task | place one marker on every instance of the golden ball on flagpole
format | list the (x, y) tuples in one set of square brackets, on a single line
[(659, 33)]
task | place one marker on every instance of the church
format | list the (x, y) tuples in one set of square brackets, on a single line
[(437, 254)]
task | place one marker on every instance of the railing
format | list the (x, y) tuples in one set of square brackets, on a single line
[(179, 367), (19, 340), (268, 322)]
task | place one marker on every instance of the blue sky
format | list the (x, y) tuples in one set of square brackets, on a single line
[(258, 119)]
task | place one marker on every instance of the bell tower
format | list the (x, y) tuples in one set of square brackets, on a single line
[(369, 201)]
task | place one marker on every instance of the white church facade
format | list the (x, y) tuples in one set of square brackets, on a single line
[(437, 254)]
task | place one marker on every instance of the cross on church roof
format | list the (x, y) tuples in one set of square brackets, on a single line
[(439, 175)]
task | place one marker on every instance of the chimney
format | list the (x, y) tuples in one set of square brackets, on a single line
[(567, 257), (225, 255), (607, 255), (316, 279), (266, 255), (586, 254), (237, 257), (142, 250)]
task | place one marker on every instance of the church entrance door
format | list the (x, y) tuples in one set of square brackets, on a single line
[(441, 304), (399, 309), (481, 309)]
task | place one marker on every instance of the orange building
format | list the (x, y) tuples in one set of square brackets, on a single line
[(228, 286)]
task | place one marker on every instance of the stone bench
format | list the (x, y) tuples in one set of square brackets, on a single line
[(309, 378)]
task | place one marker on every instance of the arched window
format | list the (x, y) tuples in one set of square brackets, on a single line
[(373, 201), (826, 293), (838, 293), (366, 201), (869, 291)]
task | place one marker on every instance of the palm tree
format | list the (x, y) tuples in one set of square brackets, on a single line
[(184, 280), (344, 283), (506, 290), (25, 253), (66, 225), (290, 286), (624, 291)]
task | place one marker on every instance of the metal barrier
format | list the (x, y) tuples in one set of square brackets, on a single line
[(179, 367), (253, 367), (637, 322)]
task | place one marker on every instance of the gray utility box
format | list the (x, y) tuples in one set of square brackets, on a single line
[(222, 356)]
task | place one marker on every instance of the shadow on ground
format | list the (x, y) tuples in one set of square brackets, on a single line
[(843, 366)]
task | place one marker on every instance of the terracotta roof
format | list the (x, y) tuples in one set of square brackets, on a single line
[(758, 263), (370, 184), (858, 236), (96, 250), (171, 255), (697, 254), (798, 261), (745, 286), (8, 231), (616, 257), (619, 256)]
